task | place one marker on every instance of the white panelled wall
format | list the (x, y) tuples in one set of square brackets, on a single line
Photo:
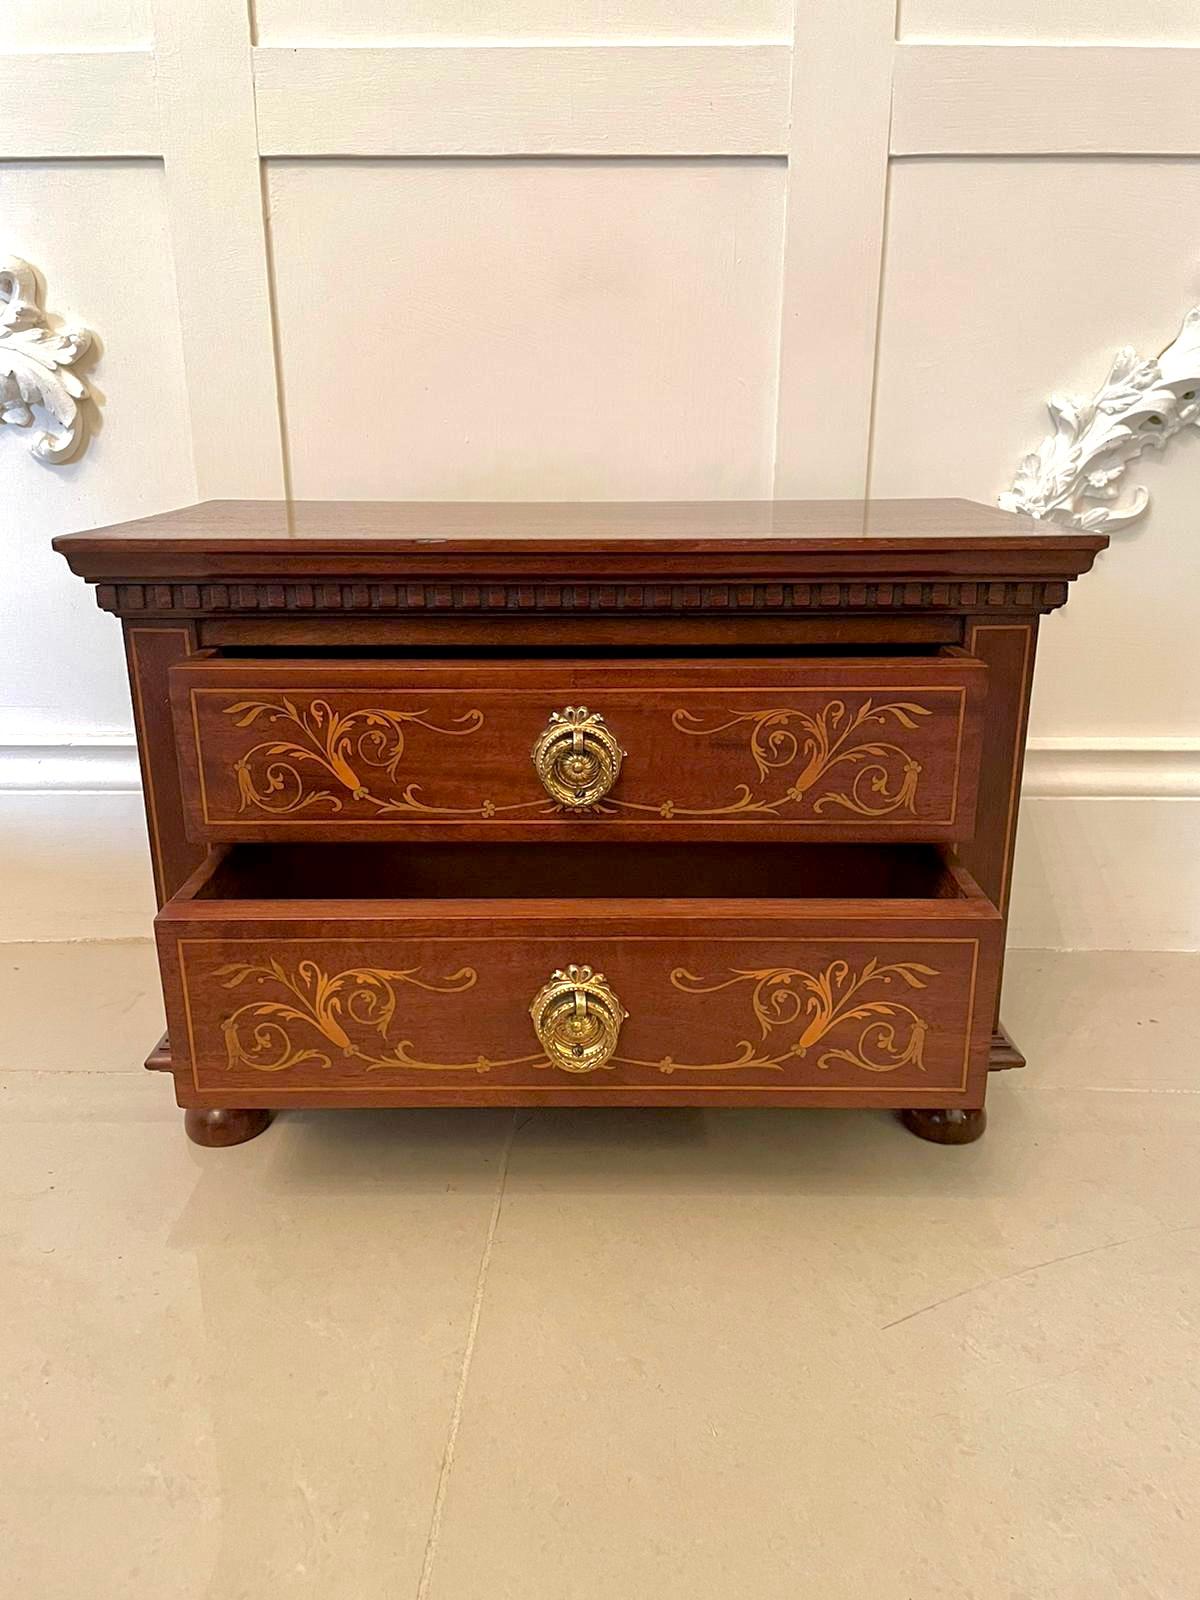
[(577, 249)]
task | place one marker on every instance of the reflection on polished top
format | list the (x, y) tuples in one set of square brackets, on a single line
[(220, 535)]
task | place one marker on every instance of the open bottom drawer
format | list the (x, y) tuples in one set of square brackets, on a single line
[(627, 975)]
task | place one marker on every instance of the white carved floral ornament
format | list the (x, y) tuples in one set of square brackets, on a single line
[(35, 364), (1141, 405)]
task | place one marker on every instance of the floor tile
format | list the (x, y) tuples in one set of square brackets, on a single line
[(79, 1007), (771, 1354), (1106, 1019), (228, 1373)]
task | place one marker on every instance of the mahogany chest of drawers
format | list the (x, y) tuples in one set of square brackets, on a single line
[(635, 804)]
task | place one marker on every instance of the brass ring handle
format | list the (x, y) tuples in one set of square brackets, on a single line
[(577, 1019), (577, 758)]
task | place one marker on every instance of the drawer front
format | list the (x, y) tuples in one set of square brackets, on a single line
[(627, 1007), (814, 750)]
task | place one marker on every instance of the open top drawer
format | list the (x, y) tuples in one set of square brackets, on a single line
[(813, 748), (640, 974)]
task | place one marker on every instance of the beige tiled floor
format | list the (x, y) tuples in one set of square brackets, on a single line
[(602, 1355)]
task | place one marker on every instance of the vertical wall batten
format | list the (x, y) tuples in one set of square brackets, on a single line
[(833, 245), (214, 203)]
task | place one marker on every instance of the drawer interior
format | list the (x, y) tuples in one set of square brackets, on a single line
[(581, 650), (588, 871)]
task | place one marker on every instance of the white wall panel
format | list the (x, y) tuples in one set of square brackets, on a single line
[(77, 103), (1063, 21), (61, 671), (1008, 279), (80, 25), (1045, 99), (380, 21), (539, 330), (562, 99)]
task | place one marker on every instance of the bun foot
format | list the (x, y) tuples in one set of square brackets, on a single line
[(946, 1127), (216, 1129)]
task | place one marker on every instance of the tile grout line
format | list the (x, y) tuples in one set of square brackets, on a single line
[(439, 1499), (1098, 1088)]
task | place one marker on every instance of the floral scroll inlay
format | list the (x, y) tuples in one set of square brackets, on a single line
[(310, 1017), (881, 777), (330, 1005), (885, 778), (838, 759), (342, 746), (816, 1004)]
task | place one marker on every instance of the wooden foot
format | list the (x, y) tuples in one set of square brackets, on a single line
[(215, 1129), (159, 1059), (1004, 1054), (946, 1127)]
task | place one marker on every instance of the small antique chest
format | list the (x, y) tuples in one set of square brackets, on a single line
[(701, 804)]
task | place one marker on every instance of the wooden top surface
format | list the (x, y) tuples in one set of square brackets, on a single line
[(544, 527), (271, 542)]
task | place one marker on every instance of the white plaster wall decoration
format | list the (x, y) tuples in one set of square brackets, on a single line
[(36, 383), (1141, 405)]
